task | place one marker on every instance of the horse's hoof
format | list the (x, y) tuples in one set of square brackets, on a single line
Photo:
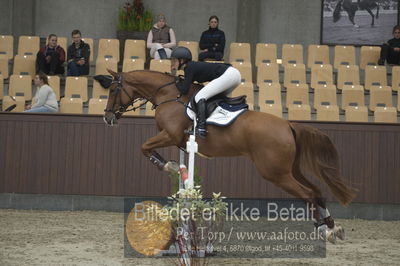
[(356, 26), (339, 232), (331, 236), (172, 167)]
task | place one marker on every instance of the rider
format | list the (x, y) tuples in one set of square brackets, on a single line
[(223, 78)]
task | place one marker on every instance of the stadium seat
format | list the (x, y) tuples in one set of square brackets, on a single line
[(28, 45), (369, 56), (352, 96), (6, 47), (270, 92), (20, 85), (245, 88), (348, 75), (344, 55), (71, 106), (328, 113), (375, 76), (385, 115), (99, 91), (356, 114), (163, 66), (97, 106), (11, 100), (89, 41), (245, 71), (318, 55), (148, 110), (239, 52), (381, 97), (267, 73), (294, 74), (132, 113), (76, 87), (1, 86), (321, 75), (265, 53), (193, 47), (297, 94), (103, 64), (398, 101), (292, 54), (132, 64), (24, 65), (299, 112), (54, 83), (324, 95), (4, 67), (396, 79), (272, 108), (135, 49), (108, 49)]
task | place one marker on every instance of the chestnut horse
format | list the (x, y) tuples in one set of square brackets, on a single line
[(281, 151)]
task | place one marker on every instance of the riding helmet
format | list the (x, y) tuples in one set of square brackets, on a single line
[(181, 52)]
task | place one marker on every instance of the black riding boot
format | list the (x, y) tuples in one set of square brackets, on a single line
[(201, 119)]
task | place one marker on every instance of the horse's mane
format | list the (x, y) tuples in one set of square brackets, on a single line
[(152, 71), (195, 86)]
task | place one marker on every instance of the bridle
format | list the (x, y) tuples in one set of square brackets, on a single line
[(119, 89), (118, 100)]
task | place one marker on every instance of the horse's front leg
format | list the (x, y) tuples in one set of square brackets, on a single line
[(160, 141)]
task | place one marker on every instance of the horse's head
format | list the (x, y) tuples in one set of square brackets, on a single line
[(120, 96)]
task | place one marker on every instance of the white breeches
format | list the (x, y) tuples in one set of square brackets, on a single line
[(226, 83), (155, 47)]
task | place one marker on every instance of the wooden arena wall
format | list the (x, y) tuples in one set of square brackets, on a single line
[(80, 155)]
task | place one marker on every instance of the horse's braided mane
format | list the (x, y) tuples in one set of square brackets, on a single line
[(196, 86)]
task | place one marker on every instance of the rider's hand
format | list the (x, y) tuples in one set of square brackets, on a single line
[(178, 79)]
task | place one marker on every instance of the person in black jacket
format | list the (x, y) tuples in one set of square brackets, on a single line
[(212, 41), (78, 56), (223, 78), (390, 51)]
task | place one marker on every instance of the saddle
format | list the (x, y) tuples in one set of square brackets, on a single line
[(220, 109), (231, 104)]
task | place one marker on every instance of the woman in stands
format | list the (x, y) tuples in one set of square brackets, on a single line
[(390, 51), (161, 39), (212, 41), (45, 100), (223, 78)]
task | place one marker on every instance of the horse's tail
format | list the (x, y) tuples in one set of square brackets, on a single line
[(316, 154), (336, 12)]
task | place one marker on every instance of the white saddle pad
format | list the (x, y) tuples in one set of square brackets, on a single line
[(220, 116)]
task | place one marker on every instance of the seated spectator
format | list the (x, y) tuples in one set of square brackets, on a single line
[(45, 100), (50, 58), (161, 39), (78, 55), (212, 41), (390, 51)]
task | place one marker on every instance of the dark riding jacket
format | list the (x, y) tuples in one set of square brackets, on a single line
[(200, 72)]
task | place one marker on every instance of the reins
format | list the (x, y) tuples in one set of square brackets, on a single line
[(124, 108)]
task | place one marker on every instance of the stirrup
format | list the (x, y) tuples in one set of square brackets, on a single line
[(202, 133)]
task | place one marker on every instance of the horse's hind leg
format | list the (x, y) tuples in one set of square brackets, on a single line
[(372, 15)]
